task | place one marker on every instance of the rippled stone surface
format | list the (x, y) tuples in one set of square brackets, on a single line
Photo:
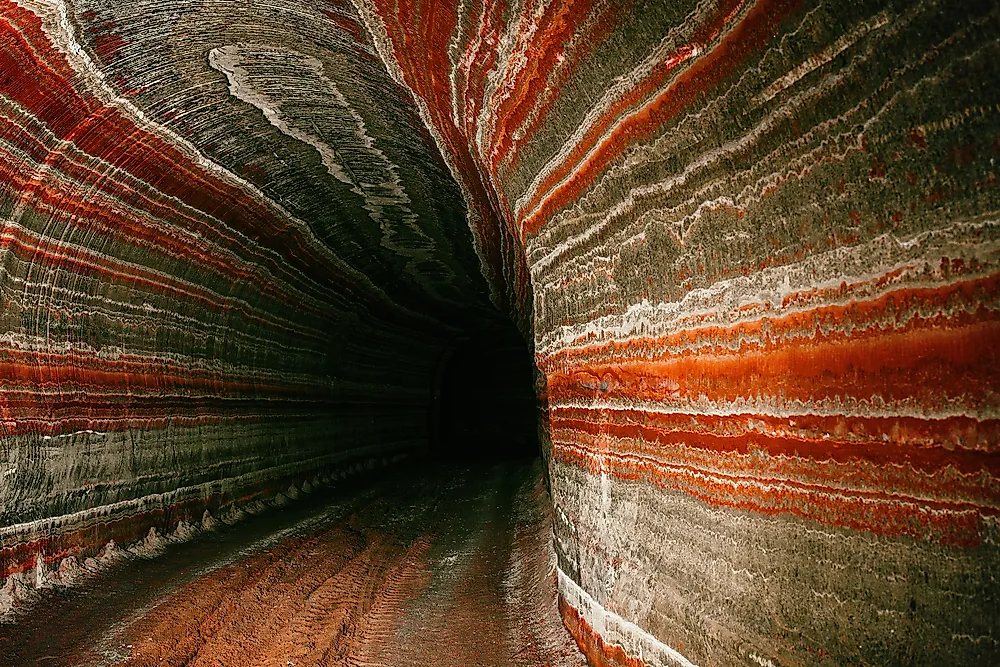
[(756, 245), (762, 239), (217, 282)]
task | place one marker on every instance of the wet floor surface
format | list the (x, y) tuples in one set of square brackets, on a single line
[(428, 565)]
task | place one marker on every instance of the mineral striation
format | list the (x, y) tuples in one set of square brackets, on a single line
[(755, 245)]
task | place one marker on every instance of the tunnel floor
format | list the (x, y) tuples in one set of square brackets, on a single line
[(441, 565)]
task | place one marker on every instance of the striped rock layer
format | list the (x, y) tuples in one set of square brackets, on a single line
[(230, 262), (763, 242), (756, 243)]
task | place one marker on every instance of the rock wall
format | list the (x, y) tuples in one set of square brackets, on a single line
[(763, 244), (231, 257), (756, 243)]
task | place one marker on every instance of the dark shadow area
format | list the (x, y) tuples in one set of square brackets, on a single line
[(485, 407)]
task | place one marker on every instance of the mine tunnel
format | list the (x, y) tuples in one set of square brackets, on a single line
[(563, 332), (484, 406)]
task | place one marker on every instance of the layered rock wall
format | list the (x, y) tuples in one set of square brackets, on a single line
[(763, 244), (231, 258), (755, 245)]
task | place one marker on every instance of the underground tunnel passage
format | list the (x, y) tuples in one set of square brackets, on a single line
[(560, 332), (484, 406)]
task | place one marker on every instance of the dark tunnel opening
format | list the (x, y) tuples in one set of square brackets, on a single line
[(484, 405), (492, 333)]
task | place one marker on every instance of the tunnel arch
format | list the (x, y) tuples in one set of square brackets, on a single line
[(754, 246)]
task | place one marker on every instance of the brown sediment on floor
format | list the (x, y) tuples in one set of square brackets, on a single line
[(308, 601), (453, 568), (491, 597)]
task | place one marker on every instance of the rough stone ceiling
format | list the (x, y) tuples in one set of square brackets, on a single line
[(755, 245)]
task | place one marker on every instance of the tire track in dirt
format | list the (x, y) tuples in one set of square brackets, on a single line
[(445, 565), (308, 601)]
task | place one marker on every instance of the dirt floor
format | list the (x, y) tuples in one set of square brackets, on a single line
[(441, 565)]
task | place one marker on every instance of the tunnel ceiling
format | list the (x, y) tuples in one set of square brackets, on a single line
[(755, 245), (233, 256)]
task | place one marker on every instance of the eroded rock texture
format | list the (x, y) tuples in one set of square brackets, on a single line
[(232, 256), (762, 239), (756, 244)]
